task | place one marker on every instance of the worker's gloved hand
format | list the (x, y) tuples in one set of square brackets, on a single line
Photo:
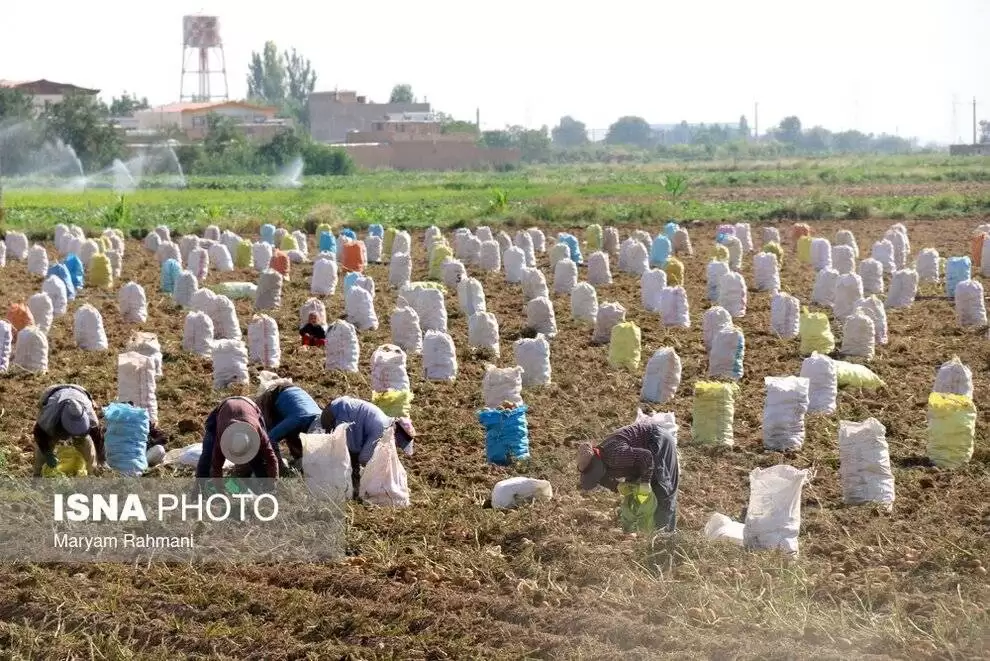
[(627, 488), (644, 489)]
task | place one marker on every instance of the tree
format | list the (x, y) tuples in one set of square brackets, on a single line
[(127, 105), (569, 133), (984, 131), (221, 134), (267, 76), (789, 130), (285, 81), (81, 121), (300, 84), (630, 130), (14, 105), (743, 126), (401, 93)]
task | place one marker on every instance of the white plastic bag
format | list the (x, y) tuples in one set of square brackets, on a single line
[(406, 332), (326, 464), (843, 259), (735, 248), (970, 307), (539, 239), (388, 369), (167, 251), (373, 249), (54, 286), (732, 294), (928, 266), (821, 254), (453, 271), (502, 385), (429, 305), (785, 316), (662, 377), (558, 252), (185, 286), (846, 238), (715, 319), (37, 261), (564, 276), (883, 252), (484, 234), (343, 351), (864, 463), (470, 296), (871, 274), (633, 257), (226, 326), (524, 241), (766, 272), (534, 285), (897, 236), (490, 256), (533, 356), (714, 272), (136, 382), (264, 346), (873, 308), (514, 491), (383, 480), (771, 235), (903, 288), (848, 291), (197, 334), (203, 300), (784, 411), (17, 246), (681, 242), (773, 517), (584, 303), (722, 528), (504, 241), (88, 330), (954, 378), (725, 360), (651, 286), (599, 271), (269, 293), (324, 279), (610, 240), (219, 256), (199, 263), (31, 350), (858, 336), (823, 383), (359, 306), (400, 270), (261, 256), (230, 364), (823, 293), (540, 316), (515, 261), (133, 303), (609, 315), (745, 235), (439, 356), (402, 243), (6, 343), (312, 306), (483, 333), (42, 310), (147, 344)]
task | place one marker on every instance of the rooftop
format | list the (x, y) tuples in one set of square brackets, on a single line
[(46, 86), (206, 105)]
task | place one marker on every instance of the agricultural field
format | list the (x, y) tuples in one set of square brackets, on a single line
[(449, 578)]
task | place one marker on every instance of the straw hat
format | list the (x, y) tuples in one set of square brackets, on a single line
[(240, 442)]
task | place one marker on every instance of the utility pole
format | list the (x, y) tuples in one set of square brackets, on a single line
[(974, 120), (756, 120)]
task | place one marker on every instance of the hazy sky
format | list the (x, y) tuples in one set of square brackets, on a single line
[(876, 65)]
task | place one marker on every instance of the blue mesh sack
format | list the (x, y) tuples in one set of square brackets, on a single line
[(76, 270), (268, 233), (62, 273), (376, 230), (170, 273), (573, 245), (126, 438), (349, 281), (349, 233), (506, 434), (327, 242), (957, 269), (660, 251), (670, 229)]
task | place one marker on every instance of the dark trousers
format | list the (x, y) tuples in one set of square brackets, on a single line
[(666, 476)]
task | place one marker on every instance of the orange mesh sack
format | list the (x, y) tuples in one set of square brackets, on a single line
[(798, 230), (976, 249), (280, 262), (19, 316), (353, 256)]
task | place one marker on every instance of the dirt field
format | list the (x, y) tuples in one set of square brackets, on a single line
[(447, 578)]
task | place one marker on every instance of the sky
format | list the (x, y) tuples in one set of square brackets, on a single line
[(910, 67)]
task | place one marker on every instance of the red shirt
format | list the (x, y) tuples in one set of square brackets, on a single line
[(243, 410)]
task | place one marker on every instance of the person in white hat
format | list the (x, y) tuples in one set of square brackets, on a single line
[(66, 413), (235, 431)]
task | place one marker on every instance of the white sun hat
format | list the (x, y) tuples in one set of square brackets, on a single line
[(240, 442)]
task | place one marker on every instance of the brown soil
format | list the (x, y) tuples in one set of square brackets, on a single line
[(447, 578)]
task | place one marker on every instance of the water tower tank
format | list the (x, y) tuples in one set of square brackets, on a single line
[(201, 32)]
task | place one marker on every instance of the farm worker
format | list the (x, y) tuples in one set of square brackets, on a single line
[(368, 424), (235, 430), (288, 411), (66, 412), (641, 453)]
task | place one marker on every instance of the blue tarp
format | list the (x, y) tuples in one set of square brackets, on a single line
[(660, 251), (957, 269), (127, 438), (506, 434)]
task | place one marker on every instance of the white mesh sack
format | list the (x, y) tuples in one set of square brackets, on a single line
[(167, 251), (211, 233), (539, 239), (439, 357), (662, 377), (185, 286), (725, 360), (88, 331), (858, 336), (584, 303), (164, 233), (203, 300), (470, 296), (902, 247), (864, 463), (848, 291), (610, 240), (483, 333), (453, 271), (682, 242), (406, 332), (784, 411), (459, 239), (388, 369), (280, 233), (609, 315), (199, 263), (136, 374), (504, 241), (343, 351), (219, 256), (984, 259), (732, 294), (766, 272), (490, 257), (745, 234), (534, 285), (954, 378), (429, 305), (873, 308), (373, 249), (674, 309), (3, 254), (399, 270), (302, 242), (558, 252), (61, 235), (37, 261), (263, 342), (735, 248), (116, 262), (147, 344), (565, 275), (402, 243), (312, 306), (6, 343), (643, 237), (821, 254), (823, 293), (151, 243), (928, 266), (785, 316), (970, 308), (871, 274), (903, 288), (633, 257), (269, 293), (31, 350), (533, 356), (771, 235), (515, 261), (883, 252), (225, 323), (540, 316), (524, 241), (230, 364), (42, 310), (846, 238), (197, 334), (714, 273), (359, 307), (599, 272), (17, 246), (324, 279), (500, 385), (261, 256), (472, 250), (432, 232), (715, 319), (54, 286), (823, 380), (651, 286), (484, 234), (843, 259)]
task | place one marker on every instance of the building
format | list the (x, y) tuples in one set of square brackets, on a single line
[(189, 120), (45, 91), (683, 133), (978, 149), (332, 115)]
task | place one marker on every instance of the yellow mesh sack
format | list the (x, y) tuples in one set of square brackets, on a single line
[(100, 271), (774, 248), (624, 348), (70, 463), (387, 240), (394, 403), (675, 272), (816, 333), (713, 413), (440, 253), (288, 243), (951, 429), (852, 375), (720, 253), (804, 249), (243, 255), (593, 237)]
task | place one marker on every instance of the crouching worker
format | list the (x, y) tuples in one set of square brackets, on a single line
[(235, 430), (368, 425), (288, 411), (66, 413), (644, 456), (314, 332)]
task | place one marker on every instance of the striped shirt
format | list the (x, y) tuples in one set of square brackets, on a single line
[(626, 453)]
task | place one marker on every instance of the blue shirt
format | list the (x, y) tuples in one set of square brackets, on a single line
[(368, 424), (297, 411)]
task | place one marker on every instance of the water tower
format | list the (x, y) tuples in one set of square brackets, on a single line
[(201, 38)]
